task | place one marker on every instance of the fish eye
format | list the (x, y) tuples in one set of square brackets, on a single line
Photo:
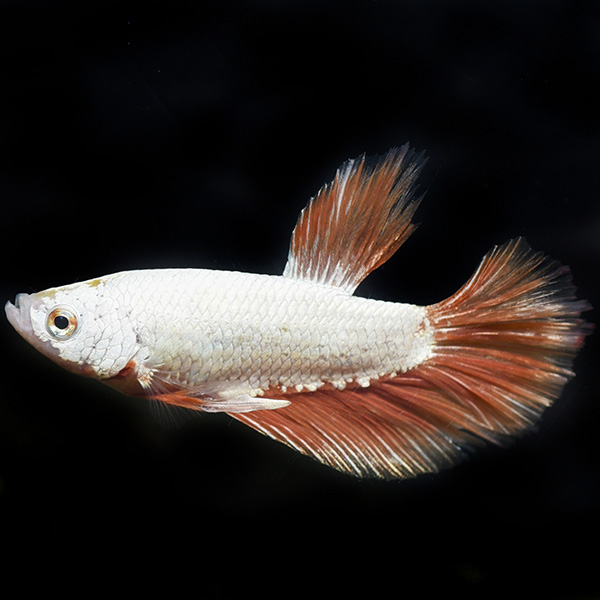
[(61, 323)]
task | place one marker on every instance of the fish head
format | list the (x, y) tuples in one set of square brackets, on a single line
[(81, 327)]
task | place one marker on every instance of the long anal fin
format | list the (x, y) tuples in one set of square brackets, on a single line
[(393, 429), (356, 223)]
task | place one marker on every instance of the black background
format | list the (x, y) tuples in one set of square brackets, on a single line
[(190, 134)]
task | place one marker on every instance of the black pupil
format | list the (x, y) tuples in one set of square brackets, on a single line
[(61, 322)]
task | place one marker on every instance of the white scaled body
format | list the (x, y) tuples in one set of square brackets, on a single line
[(235, 333), (228, 335)]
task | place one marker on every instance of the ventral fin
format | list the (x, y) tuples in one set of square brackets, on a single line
[(356, 223), (241, 404), (233, 404), (155, 383)]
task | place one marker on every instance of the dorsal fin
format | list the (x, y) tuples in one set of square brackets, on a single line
[(356, 223)]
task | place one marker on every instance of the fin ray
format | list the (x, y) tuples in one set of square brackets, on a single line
[(378, 431), (356, 223)]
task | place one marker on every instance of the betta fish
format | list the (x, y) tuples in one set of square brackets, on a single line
[(368, 387)]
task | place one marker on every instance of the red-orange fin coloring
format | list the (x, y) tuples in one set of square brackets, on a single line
[(394, 429), (506, 341), (353, 225), (504, 346)]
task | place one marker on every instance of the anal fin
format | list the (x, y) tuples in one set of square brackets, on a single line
[(394, 429)]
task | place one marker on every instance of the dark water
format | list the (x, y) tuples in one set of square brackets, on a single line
[(154, 134)]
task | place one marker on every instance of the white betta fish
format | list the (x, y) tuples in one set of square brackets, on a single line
[(368, 387)]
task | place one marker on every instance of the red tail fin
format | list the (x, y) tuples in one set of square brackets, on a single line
[(504, 346), (505, 342)]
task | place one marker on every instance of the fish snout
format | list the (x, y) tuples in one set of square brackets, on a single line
[(18, 314)]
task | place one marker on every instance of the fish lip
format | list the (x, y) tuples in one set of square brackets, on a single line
[(18, 314)]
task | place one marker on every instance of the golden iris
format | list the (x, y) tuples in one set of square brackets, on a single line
[(61, 322)]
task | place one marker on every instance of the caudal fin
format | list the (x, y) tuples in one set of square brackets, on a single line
[(504, 348), (505, 342)]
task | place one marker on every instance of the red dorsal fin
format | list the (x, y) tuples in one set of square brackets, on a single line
[(353, 225), (503, 350)]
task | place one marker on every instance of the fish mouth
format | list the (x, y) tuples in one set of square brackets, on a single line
[(18, 314)]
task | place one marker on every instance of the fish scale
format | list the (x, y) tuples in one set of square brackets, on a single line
[(293, 342)]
